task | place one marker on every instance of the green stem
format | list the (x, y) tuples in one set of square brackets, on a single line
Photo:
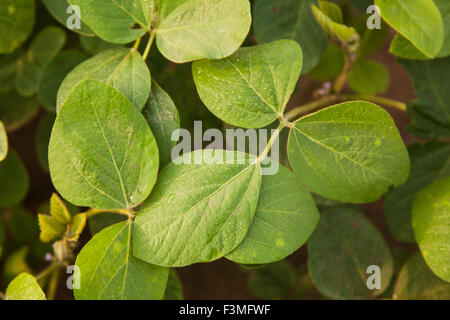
[(272, 139), (53, 285), (47, 271), (320, 103), (93, 212), (384, 101), (149, 44), (137, 43), (341, 79)]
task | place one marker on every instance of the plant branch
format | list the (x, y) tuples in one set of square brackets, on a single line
[(47, 271), (137, 43), (93, 212), (149, 44), (320, 103), (272, 139), (53, 285), (384, 101)]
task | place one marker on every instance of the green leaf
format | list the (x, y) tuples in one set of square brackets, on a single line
[(3, 142), (24, 287), (14, 178), (251, 88), (121, 68), (198, 212), (43, 139), (272, 281), (43, 48), (16, 23), (361, 4), (369, 77), (95, 45), (16, 111), (110, 272), (22, 226), (431, 224), (429, 162), (8, 70), (419, 21), (373, 39), (15, 264), (58, 9), (54, 74), (403, 48), (103, 220), (51, 229), (341, 249), (196, 29), (330, 65), (174, 290), (284, 219), (329, 16), (111, 161), (351, 152), (58, 210), (430, 113), (417, 282), (77, 226), (117, 21), (163, 118), (288, 19)]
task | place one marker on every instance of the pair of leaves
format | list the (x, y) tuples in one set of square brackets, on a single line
[(24, 287), (288, 19), (102, 153), (341, 249), (401, 47), (60, 222), (429, 162), (185, 30), (431, 224), (417, 21), (16, 22), (121, 68), (430, 113)]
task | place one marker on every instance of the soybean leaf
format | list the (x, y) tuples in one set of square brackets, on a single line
[(43, 139), (16, 22), (196, 29), (284, 219), (341, 152), (431, 224), (198, 212), (110, 272), (43, 48), (330, 65), (54, 74), (8, 65), (330, 17), (372, 40), (349, 243), (174, 290), (430, 113), (76, 226), (369, 77), (3, 142), (361, 4), (419, 21), (252, 87), (94, 45), (429, 162), (288, 19), (272, 281), (58, 210), (111, 161), (16, 111), (16, 263), (51, 229), (163, 118), (121, 68), (14, 178), (401, 47), (417, 282), (103, 220), (58, 9), (117, 21), (22, 225), (24, 287)]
